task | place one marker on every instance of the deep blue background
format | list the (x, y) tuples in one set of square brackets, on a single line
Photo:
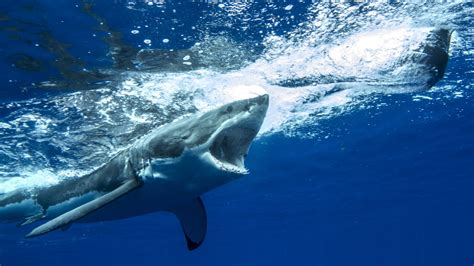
[(392, 185)]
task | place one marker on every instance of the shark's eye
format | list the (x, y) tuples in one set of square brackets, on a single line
[(229, 109)]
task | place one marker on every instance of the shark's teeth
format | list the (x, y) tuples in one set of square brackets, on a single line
[(224, 166)]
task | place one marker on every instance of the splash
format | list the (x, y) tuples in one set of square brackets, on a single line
[(333, 62)]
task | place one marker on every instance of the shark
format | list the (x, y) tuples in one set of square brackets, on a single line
[(167, 169)]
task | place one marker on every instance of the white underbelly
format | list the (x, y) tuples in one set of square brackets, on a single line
[(166, 184)]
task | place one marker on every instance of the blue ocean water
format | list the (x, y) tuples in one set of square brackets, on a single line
[(380, 178)]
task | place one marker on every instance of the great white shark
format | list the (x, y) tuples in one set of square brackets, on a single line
[(167, 169)]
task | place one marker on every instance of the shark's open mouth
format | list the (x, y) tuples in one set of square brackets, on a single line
[(231, 145)]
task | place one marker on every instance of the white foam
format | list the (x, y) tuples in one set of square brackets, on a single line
[(336, 40), (29, 180), (5, 125), (424, 97)]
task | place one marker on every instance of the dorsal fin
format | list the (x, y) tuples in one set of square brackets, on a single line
[(193, 219)]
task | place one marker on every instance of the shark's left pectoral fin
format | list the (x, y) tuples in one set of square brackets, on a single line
[(71, 216), (193, 219), (32, 219)]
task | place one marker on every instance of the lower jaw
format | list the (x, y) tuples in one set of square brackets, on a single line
[(228, 167)]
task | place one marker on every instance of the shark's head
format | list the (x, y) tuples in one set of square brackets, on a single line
[(216, 141), (235, 126)]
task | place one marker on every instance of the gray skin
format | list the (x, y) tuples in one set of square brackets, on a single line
[(165, 170), (435, 55)]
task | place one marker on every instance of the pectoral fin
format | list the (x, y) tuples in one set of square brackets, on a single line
[(85, 209), (193, 219), (32, 219)]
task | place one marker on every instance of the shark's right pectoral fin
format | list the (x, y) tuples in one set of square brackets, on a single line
[(193, 219), (71, 216)]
